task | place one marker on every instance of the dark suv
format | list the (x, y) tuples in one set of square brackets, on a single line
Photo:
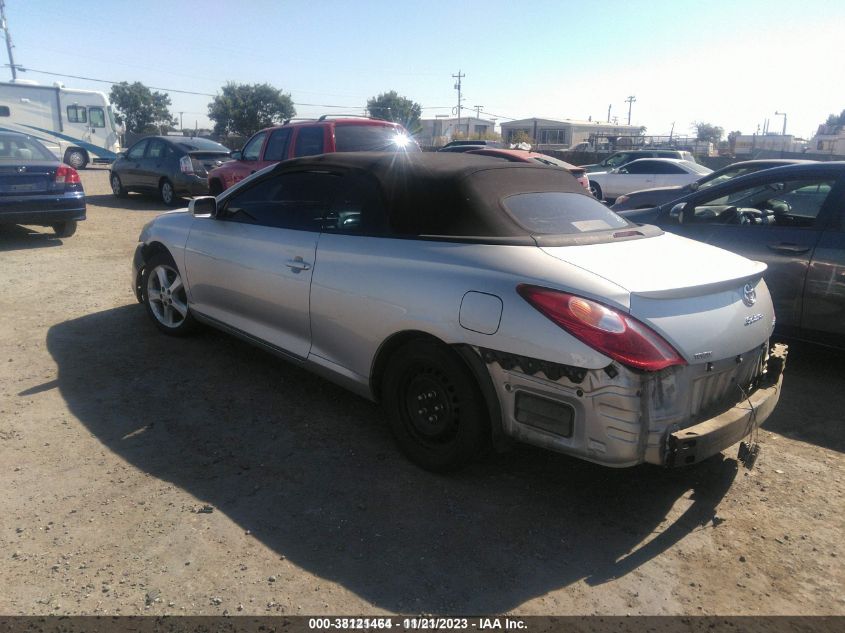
[(623, 158), (306, 138)]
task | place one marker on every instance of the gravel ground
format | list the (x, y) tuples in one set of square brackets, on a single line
[(144, 474)]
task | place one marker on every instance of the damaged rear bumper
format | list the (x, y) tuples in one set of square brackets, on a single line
[(617, 417), (700, 441)]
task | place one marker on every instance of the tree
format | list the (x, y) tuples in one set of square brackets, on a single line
[(390, 106), (520, 136), (140, 108), (836, 122), (708, 132), (244, 109)]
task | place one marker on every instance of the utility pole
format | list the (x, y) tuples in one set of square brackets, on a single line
[(181, 128), (671, 132), (4, 25), (630, 101), (608, 112), (783, 114), (459, 76)]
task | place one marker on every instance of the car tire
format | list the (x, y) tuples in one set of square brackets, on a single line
[(215, 188), (76, 158), (167, 193), (164, 296), (436, 410), (595, 189), (117, 186), (64, 229)]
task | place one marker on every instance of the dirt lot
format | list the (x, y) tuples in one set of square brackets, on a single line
[(143, 474)]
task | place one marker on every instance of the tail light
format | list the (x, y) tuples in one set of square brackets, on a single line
[(186, 165), (613, 333), (67, 175)]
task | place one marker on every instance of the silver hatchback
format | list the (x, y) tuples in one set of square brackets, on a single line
[(479, 301)]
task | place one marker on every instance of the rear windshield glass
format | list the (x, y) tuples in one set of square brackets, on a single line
[(194, 144), (560, 213), (372, 138), (699, 169), (20, 149)]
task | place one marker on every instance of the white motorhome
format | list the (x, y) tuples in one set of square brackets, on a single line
[(78, 126)]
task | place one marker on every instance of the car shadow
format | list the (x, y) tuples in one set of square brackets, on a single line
[(811, 404), (312, 472), (134, 202), (14, 237)]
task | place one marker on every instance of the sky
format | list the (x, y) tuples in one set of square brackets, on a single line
[(731, 63)]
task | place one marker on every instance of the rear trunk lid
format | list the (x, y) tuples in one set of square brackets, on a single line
[(710, 304), (29, 178)]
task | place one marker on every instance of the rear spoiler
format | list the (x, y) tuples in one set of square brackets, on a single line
[(696, 291)]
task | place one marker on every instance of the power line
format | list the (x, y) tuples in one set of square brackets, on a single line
[(200, 94)]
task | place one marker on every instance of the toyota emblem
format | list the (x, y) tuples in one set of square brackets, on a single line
[(749, 295)]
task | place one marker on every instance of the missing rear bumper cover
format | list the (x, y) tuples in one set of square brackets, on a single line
[(532, 366)]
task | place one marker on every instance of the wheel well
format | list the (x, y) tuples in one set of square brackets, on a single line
[(215, 183), (387, 349), (162, 180), (147, 251)]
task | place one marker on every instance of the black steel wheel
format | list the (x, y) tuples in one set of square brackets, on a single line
[(436, 410)]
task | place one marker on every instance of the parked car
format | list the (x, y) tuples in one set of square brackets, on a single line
[(623, 158), (647, 198), (523, 156), (463, 148), (171, 166), (476, 300), (642, 174), (307, 138), (37, 188), (484, 143), (793, 219)]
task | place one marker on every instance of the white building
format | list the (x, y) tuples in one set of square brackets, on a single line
[(748, 144), (552, 134), (439, 131), (829, 139)]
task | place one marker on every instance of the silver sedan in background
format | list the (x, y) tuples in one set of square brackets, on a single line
[(479, 301)]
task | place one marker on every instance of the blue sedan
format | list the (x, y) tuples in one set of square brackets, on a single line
[(36, 187)]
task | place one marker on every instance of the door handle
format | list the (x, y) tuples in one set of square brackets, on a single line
[(297, 264), (787, 247)]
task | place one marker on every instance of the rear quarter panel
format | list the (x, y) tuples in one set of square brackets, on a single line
[(366, 289)]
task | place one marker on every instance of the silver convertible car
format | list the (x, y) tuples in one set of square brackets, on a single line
[(478, 301)]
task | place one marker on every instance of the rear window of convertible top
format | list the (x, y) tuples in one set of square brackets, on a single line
[(561, 213)]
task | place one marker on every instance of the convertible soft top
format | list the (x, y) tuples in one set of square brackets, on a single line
[(442, 194)]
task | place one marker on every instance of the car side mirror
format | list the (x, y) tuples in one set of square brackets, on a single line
[(693, 186), (237, 155), (677, 212), (204, 206), (614, 170)]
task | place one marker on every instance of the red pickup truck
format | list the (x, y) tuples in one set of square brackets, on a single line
[(305, 138)]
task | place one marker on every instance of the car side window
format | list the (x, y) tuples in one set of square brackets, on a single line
[(638, 167), (137, 152), (76, 114), (794, 203), (157, 149), (97, 117), (358, 207), (252, 150), (298, 200), (667, 168), (277, 146), (309, 141)]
